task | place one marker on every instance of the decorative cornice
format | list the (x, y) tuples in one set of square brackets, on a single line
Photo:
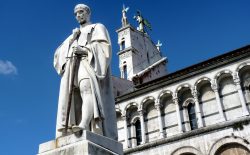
[(141, 73), (126, 50), (125, 27)]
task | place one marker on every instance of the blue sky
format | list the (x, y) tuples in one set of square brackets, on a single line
[(30, 31)]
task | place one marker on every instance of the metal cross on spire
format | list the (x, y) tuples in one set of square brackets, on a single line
[(158, 45)]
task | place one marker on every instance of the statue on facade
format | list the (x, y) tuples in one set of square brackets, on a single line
[(124, 17), (143, 23), (83, 61)]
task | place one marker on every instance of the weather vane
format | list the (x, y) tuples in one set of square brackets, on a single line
[(143, 23)]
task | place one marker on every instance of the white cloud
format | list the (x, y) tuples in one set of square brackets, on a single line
[(6, 67)]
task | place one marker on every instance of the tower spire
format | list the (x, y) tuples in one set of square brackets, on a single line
[(139, 58)]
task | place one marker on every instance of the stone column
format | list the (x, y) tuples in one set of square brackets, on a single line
[(176, 101), (215, 88), (126, 143), (122, 72), (240, 92), (158, 108), (197, 108), (186, 119), (120, 44), (133, 135), (141, 113)]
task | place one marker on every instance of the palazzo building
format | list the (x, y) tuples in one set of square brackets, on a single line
[(199, 110)]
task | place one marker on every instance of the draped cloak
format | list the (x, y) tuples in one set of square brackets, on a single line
[(96, 67)]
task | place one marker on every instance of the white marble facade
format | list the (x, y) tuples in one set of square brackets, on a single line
[(139, 56), (218, 96), (200, 110)]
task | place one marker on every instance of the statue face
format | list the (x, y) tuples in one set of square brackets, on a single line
[(81, 16)]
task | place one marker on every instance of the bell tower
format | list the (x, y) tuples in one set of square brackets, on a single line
[(140, 59)]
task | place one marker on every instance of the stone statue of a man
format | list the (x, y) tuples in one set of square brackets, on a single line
[(92, 101)]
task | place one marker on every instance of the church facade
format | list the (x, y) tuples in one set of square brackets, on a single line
[(200, 110)]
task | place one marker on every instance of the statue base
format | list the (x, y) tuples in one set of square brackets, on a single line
[(87, 144)]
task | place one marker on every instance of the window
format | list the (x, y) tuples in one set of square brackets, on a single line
[(125, 73), (192, 116), (148, 58), (118, 93), (123, 45), (138, 132), (232, 148)]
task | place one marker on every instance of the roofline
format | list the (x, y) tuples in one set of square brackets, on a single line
[(188, 72), (141, 73)]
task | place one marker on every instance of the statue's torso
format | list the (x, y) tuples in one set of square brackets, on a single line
[(83, 39)]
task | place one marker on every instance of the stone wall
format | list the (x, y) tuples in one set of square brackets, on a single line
[(138, 53), (199, 143), (220, 95)]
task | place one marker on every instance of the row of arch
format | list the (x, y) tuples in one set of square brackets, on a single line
[(217, 78), (188, 103), (229, 145)]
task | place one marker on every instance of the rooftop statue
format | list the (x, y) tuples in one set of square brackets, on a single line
[(83, 60), (124, 18), (143, 23)]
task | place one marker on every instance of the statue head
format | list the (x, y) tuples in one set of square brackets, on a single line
[(82, 13)]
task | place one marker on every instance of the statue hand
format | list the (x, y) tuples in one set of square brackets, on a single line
[(75, 33), (78, 50)]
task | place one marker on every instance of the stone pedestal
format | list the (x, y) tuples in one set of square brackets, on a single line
[(86, 144)]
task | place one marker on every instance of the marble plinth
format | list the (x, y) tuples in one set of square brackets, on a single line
[(86, 144)]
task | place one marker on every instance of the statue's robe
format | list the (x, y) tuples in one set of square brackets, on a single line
[(96, 67)]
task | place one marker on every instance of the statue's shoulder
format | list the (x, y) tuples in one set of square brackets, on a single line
[(99, 32), (98, 26), (95, 25)]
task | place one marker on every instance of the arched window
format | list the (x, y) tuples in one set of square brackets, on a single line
[(123, 45), (233, 148), (246, 87), (125, 72), (138, 132), (192, 116)]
